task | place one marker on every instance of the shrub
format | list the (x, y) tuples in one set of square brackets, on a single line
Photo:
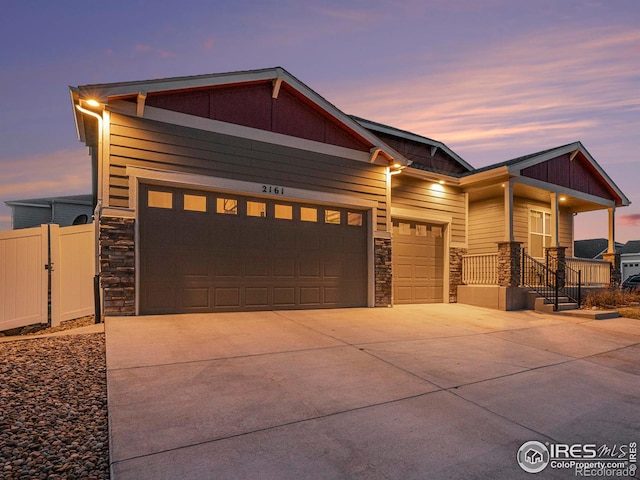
[(611, 298)]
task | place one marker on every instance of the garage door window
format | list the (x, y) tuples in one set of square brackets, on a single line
[(227, 206), (284, 212), (195, 203), (256, 209), (332, 216), (308, 214), (404, 228), (157, 199), (354, 218)]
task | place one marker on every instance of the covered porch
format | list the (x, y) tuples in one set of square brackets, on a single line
[(521, 218)]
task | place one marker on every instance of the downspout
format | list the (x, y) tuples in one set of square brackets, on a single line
[(96, 218)]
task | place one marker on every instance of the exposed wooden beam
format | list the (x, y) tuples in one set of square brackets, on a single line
[(142, 98), (276, 88), (573, 155)]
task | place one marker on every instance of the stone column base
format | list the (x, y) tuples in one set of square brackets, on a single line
[(117, 265), (383, 273)]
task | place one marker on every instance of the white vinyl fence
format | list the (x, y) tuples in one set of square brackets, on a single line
[(27, 256)]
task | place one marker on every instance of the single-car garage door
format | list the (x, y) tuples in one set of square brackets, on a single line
[(206, 252), (418, 262)]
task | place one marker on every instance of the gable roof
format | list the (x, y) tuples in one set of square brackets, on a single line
[(525, 166), (632, 246), (103, 93), (396, 132), (590, 248)]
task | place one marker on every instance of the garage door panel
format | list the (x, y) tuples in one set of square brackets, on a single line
[(192, 266), (283, 238), (284, 296), (310, 267), (257, 296), (210, 261), (257, 267), (333, 268), (403, 294), (284, 267), (162, 296), (227, 267), (195, 297), (310, 295), (227, 297)]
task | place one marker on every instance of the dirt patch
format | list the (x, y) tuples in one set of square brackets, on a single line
[(43, 328)]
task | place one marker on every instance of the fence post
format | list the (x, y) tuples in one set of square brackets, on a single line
[(55, 268)]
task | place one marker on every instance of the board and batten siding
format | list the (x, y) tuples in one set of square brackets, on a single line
[(441, 201), (486, 225), (150, 144)]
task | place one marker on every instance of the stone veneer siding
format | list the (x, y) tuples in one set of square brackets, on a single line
[(455, 272), (117, 265), (616, 274), (509, 264), (383, 274), (559, 254)]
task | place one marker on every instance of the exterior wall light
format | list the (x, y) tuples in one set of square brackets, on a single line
[(93, 103)]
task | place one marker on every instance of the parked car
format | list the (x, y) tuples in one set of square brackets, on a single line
[(631, 283)]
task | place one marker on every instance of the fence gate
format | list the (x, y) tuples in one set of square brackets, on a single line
[(28, 256)]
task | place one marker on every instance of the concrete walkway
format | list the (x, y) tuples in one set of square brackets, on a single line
[(412, 392)]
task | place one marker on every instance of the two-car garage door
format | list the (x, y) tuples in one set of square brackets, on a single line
[(205, 252)]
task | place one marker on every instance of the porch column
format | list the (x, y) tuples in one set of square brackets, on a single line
[(555, 220), (611, 256), (508, 211), (455, 272), (559, 254), (509, 264)]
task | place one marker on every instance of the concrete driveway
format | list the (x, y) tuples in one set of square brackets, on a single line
[(411, 392)]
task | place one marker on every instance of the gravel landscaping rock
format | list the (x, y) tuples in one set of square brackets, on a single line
[(53, 408)]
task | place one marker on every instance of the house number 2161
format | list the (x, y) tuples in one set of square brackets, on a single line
[(273, 190)]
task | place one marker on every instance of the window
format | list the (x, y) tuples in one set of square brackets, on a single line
[(284, 212), (332, 216), (539, 232), (308, 214), (157, 199), (256, 209), (227, 206), (354, 218), (421, 230), (404, 228), (195, 203)]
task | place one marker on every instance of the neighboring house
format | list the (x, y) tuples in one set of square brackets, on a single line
[(64, 211), (629, 253), (629, 258), (249, 191), (592, 248)]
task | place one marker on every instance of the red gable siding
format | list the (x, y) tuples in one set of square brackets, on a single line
[(577, 174), (252, 105), (420, 154)]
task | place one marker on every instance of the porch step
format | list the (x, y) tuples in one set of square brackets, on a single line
[(541, 305)]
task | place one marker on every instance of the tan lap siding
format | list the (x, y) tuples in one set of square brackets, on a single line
[(436, 201), (149, 144), (486, 225)]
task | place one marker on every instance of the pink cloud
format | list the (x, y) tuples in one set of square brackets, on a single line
[(142, 48), (167, 54), (209, 44), (632, 220)]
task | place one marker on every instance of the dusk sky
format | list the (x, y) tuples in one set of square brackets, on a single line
[(492, 79)]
